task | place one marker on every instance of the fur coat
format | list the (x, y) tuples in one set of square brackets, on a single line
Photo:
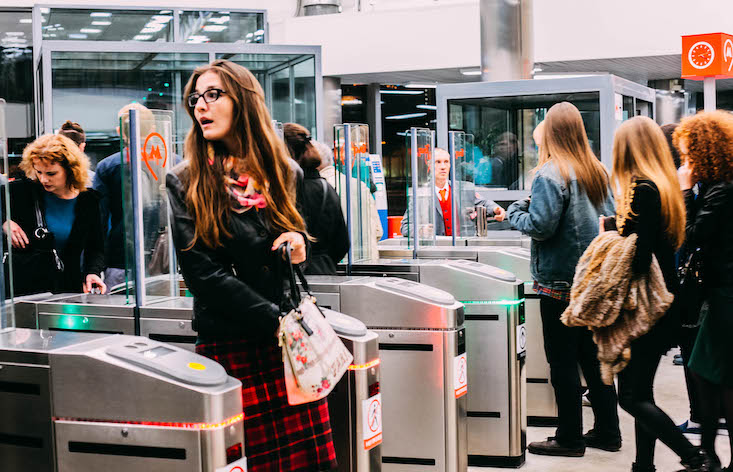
[(617, 307)]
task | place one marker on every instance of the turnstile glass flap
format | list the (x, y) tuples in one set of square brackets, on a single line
[(173, 307), (399, 303)]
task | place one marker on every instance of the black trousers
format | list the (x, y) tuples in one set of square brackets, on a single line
[(687, 342), (566, 348), (636, 396)]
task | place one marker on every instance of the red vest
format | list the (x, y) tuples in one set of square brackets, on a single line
[(445, 207)]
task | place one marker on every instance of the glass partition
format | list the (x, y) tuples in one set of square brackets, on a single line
[(351, 149), (421, 194), (7, 318), (112, 81), (504, 152), (222, 27), (79, 24), (146, 153), (460, 145)]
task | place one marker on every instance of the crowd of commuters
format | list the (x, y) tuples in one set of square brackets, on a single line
[(242, 192)]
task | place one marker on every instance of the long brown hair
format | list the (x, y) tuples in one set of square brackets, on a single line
[(565, 143), (258, 148), (640, 151)]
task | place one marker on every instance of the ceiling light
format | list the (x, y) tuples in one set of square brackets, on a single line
[(351, 101), (154, 25), (101, 23), (214, 28), (149, 30), (424, 86), (14, 33), (401, 92), (471, 71), (537, 69), (45, 11), (259, 32), (427, 107), (90, 30), (249, 35), (162, 18), (165, 12), (140, 37), (25, 20), (100, 14), (405, 117), (77, 36), (219, 20)]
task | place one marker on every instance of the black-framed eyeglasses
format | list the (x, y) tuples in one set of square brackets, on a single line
[(210, 96)]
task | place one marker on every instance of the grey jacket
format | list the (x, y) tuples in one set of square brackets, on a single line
[(439, 223), (562, 221)]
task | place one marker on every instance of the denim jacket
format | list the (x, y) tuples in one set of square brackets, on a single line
[(562, 221)]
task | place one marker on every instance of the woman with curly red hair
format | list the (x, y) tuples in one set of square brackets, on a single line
[(54, 220), (705, 142)]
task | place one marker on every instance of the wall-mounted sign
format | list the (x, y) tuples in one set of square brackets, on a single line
[(707, 55)]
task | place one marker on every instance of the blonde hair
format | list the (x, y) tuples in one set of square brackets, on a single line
[(564, 142), (640, 151), (145, 116), (54, 148)]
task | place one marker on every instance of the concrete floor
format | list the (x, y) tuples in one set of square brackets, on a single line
[(671, 396)]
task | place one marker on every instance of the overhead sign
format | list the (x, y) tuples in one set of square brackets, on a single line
[(707, 55)]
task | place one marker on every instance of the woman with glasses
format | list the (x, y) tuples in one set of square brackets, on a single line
[(54, 220), (233, 205)]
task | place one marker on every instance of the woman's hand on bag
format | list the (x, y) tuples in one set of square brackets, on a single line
[(93, 281), (297, 243), (684, 175), (18, 237)]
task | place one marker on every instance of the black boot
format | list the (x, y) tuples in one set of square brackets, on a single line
[(641, 468), (701, 461)]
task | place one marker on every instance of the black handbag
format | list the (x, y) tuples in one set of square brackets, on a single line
[(37, 267), (691, 293)]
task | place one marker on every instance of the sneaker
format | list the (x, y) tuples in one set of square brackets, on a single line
[(701, 462), (594, 440), (690, 427), (678, 360), (552, 448)]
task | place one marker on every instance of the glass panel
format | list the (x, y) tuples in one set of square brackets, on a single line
[(504, 152), (281, 99), (149, 246), (304, 99), (16, 79), (421, 195), (628, 107), (222, 27), (360, 200), (110, 82), (7, 315), (465, 190), (644, 108), (107, 25)]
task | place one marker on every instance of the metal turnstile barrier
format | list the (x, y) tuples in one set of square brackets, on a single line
[(496, 340), (80, 401), (424, 377), (355, 404)]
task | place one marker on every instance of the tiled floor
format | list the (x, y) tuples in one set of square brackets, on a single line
[(671, 396)]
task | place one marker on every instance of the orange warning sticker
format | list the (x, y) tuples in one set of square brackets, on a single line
[(371, 410), (460, 375)]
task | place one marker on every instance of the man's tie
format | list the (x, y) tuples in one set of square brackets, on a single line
[(442, 192)]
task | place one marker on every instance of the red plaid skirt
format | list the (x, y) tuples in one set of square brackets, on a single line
[(277, 436)]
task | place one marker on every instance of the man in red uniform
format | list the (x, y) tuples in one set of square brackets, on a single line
[(443, 207)]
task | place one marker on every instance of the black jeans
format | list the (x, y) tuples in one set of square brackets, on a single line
[(565, 348), (687, 342), (636, 396)]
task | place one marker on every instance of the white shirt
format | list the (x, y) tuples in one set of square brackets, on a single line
[(444, 187)]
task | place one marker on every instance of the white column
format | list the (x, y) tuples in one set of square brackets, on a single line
[(709, 93)]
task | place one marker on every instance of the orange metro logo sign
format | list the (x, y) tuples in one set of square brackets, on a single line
[(707, 55)]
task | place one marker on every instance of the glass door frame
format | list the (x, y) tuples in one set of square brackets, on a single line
[(45, 51), (605, 85)]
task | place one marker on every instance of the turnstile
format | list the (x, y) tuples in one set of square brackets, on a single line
[(169, 320), (496, 340), (355, 404), (422, 349), (541, 405), (493, 238), (74, 402)]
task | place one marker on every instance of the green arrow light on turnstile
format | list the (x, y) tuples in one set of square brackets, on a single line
[(494, 302), (74, 322)]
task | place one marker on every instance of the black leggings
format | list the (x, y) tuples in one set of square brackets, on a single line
[(711, 395), (636, 396)]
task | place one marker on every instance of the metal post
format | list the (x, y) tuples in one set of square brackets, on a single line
[(137, 216), (413, 168), (453, 201), (709, 93), (347, 175)]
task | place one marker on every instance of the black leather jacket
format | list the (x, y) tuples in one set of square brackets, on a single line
[(238, 287), (710, 227)]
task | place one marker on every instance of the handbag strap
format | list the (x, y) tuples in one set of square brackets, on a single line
[(325, 194), (41, 231), (293, 271)]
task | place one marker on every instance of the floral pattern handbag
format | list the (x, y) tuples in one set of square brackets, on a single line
[(314, 358)]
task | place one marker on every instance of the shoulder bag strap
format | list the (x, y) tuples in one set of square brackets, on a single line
[(324, 185)]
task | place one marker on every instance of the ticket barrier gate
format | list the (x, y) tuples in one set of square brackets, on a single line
[(355, 404), (496, 340), (541, 405), (74, 402), (422, 349), (493, 238)]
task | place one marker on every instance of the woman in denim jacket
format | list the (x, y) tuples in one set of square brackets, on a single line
[(569, 192)]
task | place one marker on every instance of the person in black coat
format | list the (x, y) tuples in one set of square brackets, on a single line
[(57, 173), (320, 205)]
